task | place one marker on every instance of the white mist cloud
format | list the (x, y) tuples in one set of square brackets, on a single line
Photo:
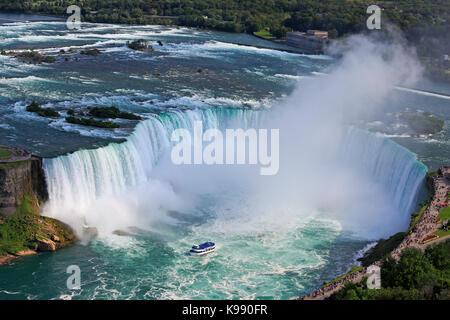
[(312, 179)]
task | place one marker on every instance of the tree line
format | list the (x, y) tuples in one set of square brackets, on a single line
[(277, 16), (416, 276)]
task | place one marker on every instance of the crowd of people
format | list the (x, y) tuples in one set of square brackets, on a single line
[(428, 223)]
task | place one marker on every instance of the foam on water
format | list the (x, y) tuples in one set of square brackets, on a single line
[(425, 93), (21, 80), (223, 50)]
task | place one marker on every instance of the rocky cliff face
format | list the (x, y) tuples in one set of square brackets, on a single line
[(22, 182), (38, 179), (23, 190)]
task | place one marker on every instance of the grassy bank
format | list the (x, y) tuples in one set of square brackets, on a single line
[(4, 153), (383, 248), (444, 214), (352, 270), (264, 34)]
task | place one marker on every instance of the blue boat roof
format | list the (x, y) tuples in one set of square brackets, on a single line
[(205, 245)]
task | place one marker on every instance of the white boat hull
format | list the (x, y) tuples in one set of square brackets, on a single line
[(202, 252)]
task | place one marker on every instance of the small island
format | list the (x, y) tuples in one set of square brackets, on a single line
[(91, 122), (100, 112), (140, 45), (93, 112), (423, 123), (90, 52), (112, 113), (29, 56), (43, 112)]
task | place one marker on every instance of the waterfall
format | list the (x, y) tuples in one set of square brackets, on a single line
[(387, 164), (75, 181), (78, 179)]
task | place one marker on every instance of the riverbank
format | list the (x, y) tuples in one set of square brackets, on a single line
[(417, 237)]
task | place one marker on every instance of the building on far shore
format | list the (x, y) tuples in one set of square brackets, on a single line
[(312, 40), (446, 172)]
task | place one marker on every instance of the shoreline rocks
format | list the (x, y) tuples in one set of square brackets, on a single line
[(46, 245), (29, 56), (140, 45)]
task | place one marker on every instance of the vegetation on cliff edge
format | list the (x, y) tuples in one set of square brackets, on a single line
[(43, 112), (4, 153), (352, 270), (26, 228), (382, 249), (8, 165)]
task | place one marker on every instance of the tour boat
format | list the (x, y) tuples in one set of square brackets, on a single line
[(201, 249)]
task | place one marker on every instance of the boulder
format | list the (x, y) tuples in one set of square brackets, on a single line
[(46, 245), (55, 238)]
